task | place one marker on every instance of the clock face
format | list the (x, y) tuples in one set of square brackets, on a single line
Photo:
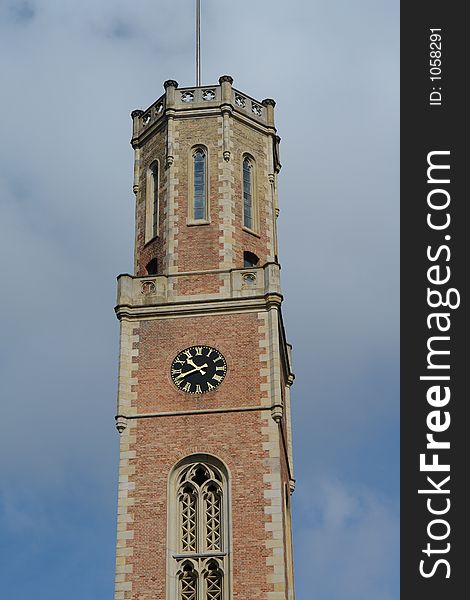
[(198, 369)]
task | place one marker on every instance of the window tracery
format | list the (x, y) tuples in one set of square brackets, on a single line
[(201, 557)]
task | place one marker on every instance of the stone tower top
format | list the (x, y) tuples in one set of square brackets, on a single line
[(205, 180)]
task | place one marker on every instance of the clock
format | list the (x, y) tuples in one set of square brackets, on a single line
[(198, 369)]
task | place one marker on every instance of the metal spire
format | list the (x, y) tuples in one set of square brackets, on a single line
[(198, 43)]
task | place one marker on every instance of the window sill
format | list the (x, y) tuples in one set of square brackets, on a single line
[(153, 239), (200, 554), (248, 230), (192, 222)]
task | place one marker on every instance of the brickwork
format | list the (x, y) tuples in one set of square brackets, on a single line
[(235, 335), (155, 248)]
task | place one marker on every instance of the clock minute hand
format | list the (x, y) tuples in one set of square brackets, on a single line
[(181, 375)]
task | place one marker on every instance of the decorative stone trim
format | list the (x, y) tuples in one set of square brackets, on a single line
[(125, 519), (127, 398), (226, 195), (171, 216), (269, 195), (225, 78), (273, 510), (128, 350), (187, 96), (208, 95), (182, 413), (121, 423), (269, 102)]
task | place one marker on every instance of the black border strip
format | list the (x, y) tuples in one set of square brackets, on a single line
[(434, 124)]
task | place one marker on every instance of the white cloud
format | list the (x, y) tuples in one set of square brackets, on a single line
[(346, 546)]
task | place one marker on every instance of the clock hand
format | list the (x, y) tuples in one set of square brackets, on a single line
[(192, 364), (181, 375)]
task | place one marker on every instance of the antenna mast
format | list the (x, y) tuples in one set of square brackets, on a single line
[(198, 43)]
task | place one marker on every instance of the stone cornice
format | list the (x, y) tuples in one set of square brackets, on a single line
[(198, 307)]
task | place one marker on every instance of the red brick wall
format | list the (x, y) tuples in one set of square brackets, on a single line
[(235, 438)]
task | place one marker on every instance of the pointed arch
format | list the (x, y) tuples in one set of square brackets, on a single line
[(199, 183), (152, 201), (250, 218), (199, 529), (188, 581)]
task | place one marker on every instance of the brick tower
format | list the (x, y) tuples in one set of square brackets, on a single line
[(205, 471)]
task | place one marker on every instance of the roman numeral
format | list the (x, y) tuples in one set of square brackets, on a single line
[(175, 371), (187, 387), (198, 350), (211, 350), (198, 389), (217, 378), (209, 386), (220, 368), (218, 358), (177, 360), (188, 353)]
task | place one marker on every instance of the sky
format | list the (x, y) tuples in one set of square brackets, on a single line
[(71, 74)]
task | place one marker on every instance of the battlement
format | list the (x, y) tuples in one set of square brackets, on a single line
[(211, 99)]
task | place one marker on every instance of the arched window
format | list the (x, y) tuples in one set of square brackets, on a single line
[(200, 529), (188, 583), (248, 194), (250, 260), (152, 267), (213, 579), (152, 202), (199, 197)]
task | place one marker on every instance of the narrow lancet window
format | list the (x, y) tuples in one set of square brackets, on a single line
[(154, 197), (152, 267), (200, 185), (250, 260), (213, 581), (188, 507), (152, 202), (188, 583), (213, 513), (248, 193)]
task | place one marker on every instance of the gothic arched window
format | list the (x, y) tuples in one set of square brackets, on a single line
[(152, 202), (199, 195), (248, 193), (188, 582), (250, 260), (152, 267), (200, 530)]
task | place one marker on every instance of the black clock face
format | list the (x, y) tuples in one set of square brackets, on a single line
[(198, 369)]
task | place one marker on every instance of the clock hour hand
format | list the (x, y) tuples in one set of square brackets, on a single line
[(181, 375), (192, 364)]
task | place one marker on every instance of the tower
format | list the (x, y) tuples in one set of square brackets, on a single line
[(205, 473)]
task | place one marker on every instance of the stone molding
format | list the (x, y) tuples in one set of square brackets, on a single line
[(121, 420)]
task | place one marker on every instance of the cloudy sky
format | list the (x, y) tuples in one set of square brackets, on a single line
[(71, 72)]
